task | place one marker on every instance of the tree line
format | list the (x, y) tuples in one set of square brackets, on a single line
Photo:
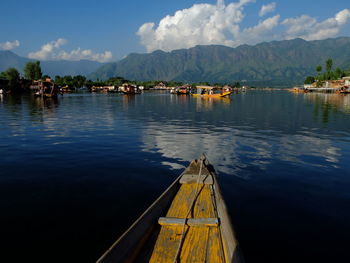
[(328, 74), (12, 81)]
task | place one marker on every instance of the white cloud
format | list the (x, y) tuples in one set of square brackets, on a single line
[(203, 24), (9, 45), (221, 24), (79, 54), (261, 32), (309, 28), (51, 51), (47, 50), (265, 9)]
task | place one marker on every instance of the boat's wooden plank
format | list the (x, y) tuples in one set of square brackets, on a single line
[(230, 245), (181, 202), (198, 240), (198, 222), (193, 248), (215, 252), (167, 244), (195, 245), (193, 178), (203, 207), (202, 244), (195, 168)]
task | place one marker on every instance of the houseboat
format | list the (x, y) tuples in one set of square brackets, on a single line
[(44, 88), (182, 90), (130, 89)]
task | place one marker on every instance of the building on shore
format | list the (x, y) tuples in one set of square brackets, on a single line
[(329, 85), (347, 81)]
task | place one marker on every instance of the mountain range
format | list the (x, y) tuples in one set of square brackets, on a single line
[(270, 63), (273, 63), (51, 68)]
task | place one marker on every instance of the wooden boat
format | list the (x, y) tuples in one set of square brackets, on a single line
[(219, 95), (299, 90), (208, 92), (187, 223), (44, 88), (129, 89), (183, 90), (343, 90)]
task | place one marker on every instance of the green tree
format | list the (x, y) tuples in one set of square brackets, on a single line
[(339, 73), (309, 80), (38, 72), (79, 81), (237, 85), (318, 69), (46, 77), (12, 75), (3, 75), (32, 70), (68, 81), (59, 81), (329, 64), (347, 72)]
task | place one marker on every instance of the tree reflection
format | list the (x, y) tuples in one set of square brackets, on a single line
[(40, 108), (326, 104)]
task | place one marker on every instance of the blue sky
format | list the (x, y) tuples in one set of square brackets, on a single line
[(88, 29)]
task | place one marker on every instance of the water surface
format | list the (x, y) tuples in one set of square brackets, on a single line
[(76, 171)]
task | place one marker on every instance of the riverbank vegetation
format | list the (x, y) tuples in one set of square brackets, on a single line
[(327, 74), (11, 80)]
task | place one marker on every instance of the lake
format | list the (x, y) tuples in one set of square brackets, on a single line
[(77, 171)]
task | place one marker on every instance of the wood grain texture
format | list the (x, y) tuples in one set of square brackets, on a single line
[(198, 222), (147, 241), (192, 178), (201, 243)]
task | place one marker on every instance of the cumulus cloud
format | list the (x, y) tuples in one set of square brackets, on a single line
[(309, 28), (9, 45), (78, 54), (265, 9), (47, 49), (263, 31), (52, 50), (204, 24), (221, 24)]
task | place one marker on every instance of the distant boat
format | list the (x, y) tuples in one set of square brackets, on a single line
[(343, 90), (298, 89), (212, 92), (187, 223), (67, 89), (130, 89), (183, 90), (45, 88)]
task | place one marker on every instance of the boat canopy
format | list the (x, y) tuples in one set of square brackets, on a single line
[(204, 87)]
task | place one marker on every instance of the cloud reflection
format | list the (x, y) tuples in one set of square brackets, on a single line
[(223, 147), (234, 149)]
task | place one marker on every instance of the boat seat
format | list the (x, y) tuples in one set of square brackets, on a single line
[(192, 179), (197, 222)]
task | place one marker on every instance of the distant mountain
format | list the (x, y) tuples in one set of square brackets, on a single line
[(274, 63), (9, 59), (51, 68), (65, 67)]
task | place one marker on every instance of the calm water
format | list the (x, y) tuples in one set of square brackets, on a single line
[(76, 172)]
